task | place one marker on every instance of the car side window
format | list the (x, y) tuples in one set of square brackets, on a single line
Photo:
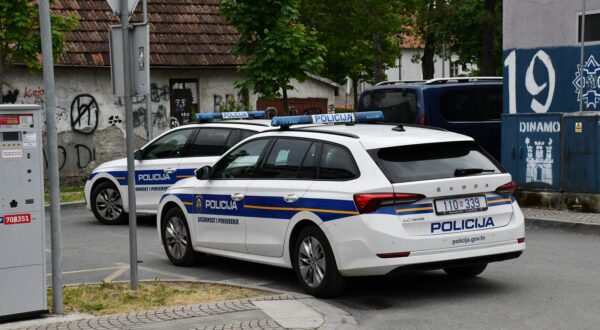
[(169, 146), (241, 163), (460, 105), (210, 142), (286, 159), (336, 164)]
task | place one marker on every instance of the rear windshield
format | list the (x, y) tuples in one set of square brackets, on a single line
[(397, 105), (433, 161)]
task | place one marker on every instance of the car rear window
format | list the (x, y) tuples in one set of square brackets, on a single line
[(397, 105), (433, 161)]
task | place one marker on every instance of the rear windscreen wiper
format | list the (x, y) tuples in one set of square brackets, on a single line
[(470, 171)]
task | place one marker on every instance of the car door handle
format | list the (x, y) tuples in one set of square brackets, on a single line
[(237, 197), (169, 170), (291, 198)]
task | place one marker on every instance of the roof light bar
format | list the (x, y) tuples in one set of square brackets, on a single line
[(207, 116), (346, 117)]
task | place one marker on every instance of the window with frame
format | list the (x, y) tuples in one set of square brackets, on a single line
[(592, 27), (240, 163), (336, 164), (169, 146)]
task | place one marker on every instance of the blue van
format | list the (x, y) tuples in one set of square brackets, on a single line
[(466, 105)]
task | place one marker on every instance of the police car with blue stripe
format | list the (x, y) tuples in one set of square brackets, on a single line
[(165, 160), (335, 200)]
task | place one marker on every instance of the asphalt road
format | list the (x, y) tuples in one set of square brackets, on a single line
[(555, 284)]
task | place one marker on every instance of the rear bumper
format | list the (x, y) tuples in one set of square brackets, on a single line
[(457, 262)]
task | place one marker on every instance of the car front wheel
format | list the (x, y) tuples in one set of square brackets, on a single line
[(176, 239), (314, 264), (107, 204)]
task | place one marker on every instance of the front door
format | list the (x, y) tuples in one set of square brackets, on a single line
[(220, 200), (157, 170)]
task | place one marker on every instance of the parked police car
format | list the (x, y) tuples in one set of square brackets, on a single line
[(332, 201), (170, 157)]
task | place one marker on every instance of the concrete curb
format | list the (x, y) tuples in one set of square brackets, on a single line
[(578, 227), (334, 318), (70, 205)]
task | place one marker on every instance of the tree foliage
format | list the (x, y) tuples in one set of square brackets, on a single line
[(20, 40), (276, 46), (359, 36)]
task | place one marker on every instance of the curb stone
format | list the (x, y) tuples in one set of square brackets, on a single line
[(335, 318), (70, 205)]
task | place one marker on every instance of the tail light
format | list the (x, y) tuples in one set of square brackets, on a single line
[(507, 189), (367, 203), (422, 121)]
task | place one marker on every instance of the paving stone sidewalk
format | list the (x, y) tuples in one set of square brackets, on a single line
[(282, 311), (577, 221)]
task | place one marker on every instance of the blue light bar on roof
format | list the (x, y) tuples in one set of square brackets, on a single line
[(207, 116), (347, 117)]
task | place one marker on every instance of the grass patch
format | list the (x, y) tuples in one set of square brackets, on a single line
[(113, 298), (67, 194)]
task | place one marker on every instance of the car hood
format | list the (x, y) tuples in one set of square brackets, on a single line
[(120, 164)]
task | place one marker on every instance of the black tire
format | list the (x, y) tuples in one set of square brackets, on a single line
[(176, 239), (107, 204), (466, 271), (331, 283)]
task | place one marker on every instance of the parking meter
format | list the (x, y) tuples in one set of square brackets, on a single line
[(22, 239)]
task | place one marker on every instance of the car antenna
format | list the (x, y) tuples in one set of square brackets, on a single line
[(399, 128)]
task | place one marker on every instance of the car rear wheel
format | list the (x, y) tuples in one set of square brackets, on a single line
[(176, 239), (314, 264), (466, 271), (107, 204)]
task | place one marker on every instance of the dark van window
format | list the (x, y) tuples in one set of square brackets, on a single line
[(336, 164), (432, 161), (474, 104), (397, 105), (210, 142)]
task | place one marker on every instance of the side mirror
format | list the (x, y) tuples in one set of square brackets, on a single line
[(203, 173), (138, 154)]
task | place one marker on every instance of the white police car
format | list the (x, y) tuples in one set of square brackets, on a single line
[(332, 201), (170, 157)]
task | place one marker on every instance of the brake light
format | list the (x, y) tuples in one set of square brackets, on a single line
[(521, 240), (507, 189), (367, 203), (422, 121)]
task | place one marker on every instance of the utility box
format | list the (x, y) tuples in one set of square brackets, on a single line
[(582, 152), (22, 238), (532, 149)]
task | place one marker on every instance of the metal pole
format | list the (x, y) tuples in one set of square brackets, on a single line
[(53, 176), (148, 97), (581, 57), (443, 54), (124, 16)]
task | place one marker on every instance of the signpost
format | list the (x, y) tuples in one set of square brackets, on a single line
[(130, 71)]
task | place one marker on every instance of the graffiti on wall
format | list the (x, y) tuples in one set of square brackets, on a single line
[(184, 100), (10, 96), (35, 95), (221, 102), (84, 114), (159, 93)]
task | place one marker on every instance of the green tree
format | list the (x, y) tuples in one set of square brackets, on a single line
[(276, 46), (485, 47), (358, 34), (20, 41)]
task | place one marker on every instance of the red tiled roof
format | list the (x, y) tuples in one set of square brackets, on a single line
[(183, 33)]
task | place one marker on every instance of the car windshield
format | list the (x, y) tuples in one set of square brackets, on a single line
[(433, 161), (398, 105)]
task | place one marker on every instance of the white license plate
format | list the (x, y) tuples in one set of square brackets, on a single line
[(460, 205)]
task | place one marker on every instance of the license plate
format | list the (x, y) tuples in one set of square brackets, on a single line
[(460, 205)]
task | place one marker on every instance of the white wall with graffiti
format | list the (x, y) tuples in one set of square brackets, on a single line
[(91, 121)]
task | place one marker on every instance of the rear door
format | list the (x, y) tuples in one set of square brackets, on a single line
[(458, 184), (277, 194), (471, 110)]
